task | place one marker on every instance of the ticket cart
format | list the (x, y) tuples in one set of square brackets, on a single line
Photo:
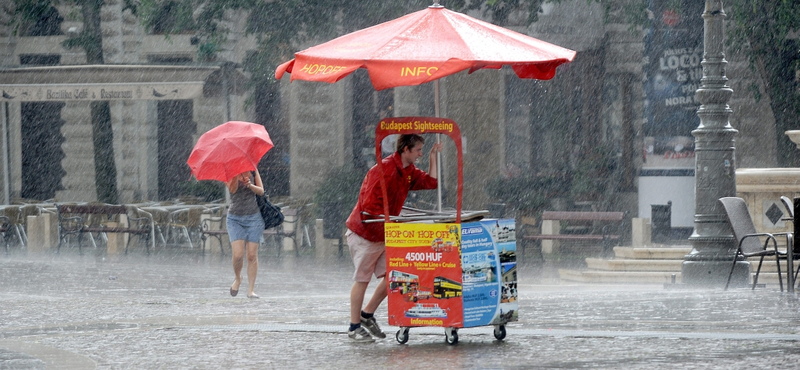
[(441, 271)]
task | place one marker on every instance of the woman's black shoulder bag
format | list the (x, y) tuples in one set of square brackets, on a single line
[(271, 213)]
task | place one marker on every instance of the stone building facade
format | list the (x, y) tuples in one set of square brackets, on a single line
[(165, 100), (511, 127)]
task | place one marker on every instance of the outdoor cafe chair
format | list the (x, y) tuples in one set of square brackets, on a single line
[(136, 213), (6, 227), (789, 208), (160, 218), (17, 227), (214, 226), (185, 223), (18, 214), (749, 240), (292, 228)]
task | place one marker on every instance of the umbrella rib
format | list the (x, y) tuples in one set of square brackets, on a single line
[(510, 36), (245, 153), (411, 25)]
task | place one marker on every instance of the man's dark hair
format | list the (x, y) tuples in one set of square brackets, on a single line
[(408, 140)]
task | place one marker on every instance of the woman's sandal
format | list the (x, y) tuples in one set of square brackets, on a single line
[(234, 292)]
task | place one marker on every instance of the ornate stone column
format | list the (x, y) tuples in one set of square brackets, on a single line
[(713, 243)]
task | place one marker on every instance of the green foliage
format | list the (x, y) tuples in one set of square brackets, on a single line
[(764, 30), (85, 41), (636, 14), (164, 17), (28, 11), (341, 186), (207, 191), (590, 177)]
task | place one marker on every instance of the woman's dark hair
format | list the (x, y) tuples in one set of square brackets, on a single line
[(408, 140)]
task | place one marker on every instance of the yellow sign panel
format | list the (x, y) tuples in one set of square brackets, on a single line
[(436, 236)]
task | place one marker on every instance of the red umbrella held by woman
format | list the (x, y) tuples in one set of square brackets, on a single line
[(228, 150)]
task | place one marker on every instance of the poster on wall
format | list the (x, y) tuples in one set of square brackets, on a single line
[(673, 53)]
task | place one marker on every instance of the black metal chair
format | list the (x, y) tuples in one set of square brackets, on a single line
[(6, 227), (748, 240), (215, 227)]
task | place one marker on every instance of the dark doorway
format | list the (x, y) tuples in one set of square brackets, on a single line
[(175, 130), (41, 140), (41, 150)]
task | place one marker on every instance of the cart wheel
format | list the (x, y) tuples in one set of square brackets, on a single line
[(402, 336), (451, 335), (500, 332)]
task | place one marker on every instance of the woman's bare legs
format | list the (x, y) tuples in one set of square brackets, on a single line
[(237, 252), (252, 267)]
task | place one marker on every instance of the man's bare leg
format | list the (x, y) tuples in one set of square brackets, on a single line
[(377, 297), (356, 300)]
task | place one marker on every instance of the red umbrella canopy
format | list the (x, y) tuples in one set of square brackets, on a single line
[(423, 46), (228, 150)]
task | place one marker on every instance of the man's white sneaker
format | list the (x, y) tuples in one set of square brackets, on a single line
[(360, 335)]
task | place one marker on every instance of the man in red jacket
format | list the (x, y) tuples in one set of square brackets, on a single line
[(366, 240)]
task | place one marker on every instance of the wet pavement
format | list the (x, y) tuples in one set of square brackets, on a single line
[(173, 311)]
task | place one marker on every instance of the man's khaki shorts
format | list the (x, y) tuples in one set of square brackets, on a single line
[(369, 257)]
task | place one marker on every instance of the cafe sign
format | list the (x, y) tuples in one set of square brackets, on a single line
[(100, 91)]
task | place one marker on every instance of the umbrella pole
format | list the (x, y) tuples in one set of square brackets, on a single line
[(439, 154)]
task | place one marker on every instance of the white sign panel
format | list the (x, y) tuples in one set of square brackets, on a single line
[(93, 92)]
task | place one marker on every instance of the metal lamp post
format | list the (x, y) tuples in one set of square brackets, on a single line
[(713, 244)]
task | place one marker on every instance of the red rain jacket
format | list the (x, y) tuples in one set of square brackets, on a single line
[(399, 181)]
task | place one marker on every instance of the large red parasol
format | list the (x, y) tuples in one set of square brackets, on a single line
[(424, 46), (228, 150)]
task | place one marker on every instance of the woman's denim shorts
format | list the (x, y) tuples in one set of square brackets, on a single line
[(248, 227)]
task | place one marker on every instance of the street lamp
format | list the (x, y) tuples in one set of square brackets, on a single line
[(713, 243)]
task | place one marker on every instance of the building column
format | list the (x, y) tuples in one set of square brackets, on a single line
[(321, 121)]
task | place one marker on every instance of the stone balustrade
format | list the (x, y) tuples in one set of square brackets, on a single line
[(761, 189)]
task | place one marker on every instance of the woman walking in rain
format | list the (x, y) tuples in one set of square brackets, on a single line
[(245, 227)]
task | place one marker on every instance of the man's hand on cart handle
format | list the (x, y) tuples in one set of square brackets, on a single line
[(437, 148)]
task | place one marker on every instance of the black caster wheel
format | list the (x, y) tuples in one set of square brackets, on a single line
[(500, 332), (402, 336), (451, 336)]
